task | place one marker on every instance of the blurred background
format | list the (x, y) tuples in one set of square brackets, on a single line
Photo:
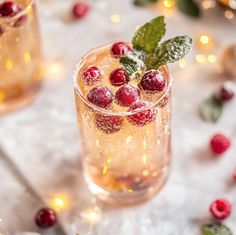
[(39, 145)]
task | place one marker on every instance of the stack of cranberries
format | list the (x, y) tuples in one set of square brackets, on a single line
[(126, 95)]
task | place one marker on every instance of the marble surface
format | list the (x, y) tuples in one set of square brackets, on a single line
[(41, 141)]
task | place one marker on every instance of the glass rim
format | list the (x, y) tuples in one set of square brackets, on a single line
[(108, 111), (20, 13)]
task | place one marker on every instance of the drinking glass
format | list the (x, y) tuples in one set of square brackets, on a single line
[(122, 163), (20, 56)]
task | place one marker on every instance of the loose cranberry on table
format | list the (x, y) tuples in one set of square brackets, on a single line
[(100, 96), (219, 144), (8, 8), (120, 49), (226, 92), (143, 117), (127, 95), (108, 124), (91, 75), (45, 218), (118, 77), (80, 9), (221, 209), (153, 82)]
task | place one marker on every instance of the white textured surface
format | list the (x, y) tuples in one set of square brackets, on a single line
[(43, 142)]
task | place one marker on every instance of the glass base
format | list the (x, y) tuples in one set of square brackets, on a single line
[(127, 198), (19, 99)]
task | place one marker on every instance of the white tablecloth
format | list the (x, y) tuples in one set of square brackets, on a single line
[(42, 139)]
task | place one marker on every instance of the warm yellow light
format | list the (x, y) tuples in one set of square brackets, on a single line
[(105, 170), (204, 39), (1, 100), (168, 3), (59, 202), (54, 69), (115, 18), (92, 216), (200, 58), (206, 4), (130, 190), (144, 159), (129, 139), (182, 63), (27, 57), (212, 58), (9, 65), (229, 14)]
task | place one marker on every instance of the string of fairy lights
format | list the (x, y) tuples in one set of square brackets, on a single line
[(205, 44)]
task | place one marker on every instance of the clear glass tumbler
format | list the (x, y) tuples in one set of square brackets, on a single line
[(20, 55), (122, 163)]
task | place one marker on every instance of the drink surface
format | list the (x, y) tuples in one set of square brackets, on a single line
[(20, 57), (121, 159)]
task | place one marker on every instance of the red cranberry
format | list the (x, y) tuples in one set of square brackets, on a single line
[(120, 49), (91, 75), (153, 82), (226, 93), (221, 209), (100, 96), (118, 77), (141, 118), (127, 95), (8, 8), (109, 124), (45, 218), (219, 144), (80, 10)]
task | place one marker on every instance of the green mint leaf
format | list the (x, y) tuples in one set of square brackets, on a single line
[(132, 65), (211, 109), (188, 7), (148, 36), (216, 229), (169, 51), (143, 2)]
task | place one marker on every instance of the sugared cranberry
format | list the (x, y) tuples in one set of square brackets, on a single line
[(80, 10), (91, 75), (226, 92), (127, 95), (153, 82), (8, 8), (118, 77), (120, 49), (143, 117), (220, 209), (45, 218), (100, 96), (109, 124), (219, 144)]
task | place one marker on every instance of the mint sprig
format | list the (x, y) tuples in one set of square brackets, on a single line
[(143, 2), (189, 7), (169, 51), (149, 35), (216, 229), (132, 65), (211, 109), (151, 51)]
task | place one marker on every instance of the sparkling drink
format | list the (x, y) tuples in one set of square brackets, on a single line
[(126, 151), (20, 54)]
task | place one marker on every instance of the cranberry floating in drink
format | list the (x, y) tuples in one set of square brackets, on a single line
[(124, 115)]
